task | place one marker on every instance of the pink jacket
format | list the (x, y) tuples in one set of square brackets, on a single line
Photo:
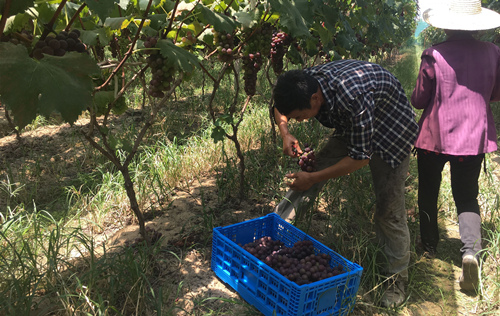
[(456, 82)]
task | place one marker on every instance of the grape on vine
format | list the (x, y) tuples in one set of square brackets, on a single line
[(224, 43), (279, 46), (162, 74), (59, 44), (257, 42)]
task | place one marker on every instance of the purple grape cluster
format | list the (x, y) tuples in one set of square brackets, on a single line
[(225, 44), (24, 37), (60, 44), (162, 73), (298, 264), (257, 42), (279, 47), (307, 160), (251, 67)]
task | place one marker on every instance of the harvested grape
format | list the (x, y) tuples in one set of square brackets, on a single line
[(300, 263), (307, 160)]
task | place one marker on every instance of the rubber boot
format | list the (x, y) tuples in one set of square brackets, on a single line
[(470, 234)]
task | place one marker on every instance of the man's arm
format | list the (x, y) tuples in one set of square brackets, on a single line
[(304, 180), (289, 141)]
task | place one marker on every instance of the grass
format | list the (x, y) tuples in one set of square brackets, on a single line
[(58, 201)]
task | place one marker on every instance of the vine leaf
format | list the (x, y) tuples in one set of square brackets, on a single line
[(17, 6), (180, 58), (294, 15), (220, 21), (53, 84), (101, 8)]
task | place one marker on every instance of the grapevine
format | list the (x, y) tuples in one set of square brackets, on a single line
[(299, 263)]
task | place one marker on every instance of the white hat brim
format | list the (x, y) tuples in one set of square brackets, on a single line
[(445, 19)]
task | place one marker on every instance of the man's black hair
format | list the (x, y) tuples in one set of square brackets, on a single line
[(293, 91)]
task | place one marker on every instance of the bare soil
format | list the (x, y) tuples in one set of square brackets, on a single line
[(435, 289)]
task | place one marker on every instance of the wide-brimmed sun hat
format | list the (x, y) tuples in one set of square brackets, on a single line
[(467, 15)]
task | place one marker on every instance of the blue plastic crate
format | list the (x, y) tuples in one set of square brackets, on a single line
[(269, 291)]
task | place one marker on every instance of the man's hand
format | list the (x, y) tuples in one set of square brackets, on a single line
[(302, 181), (291, 146)]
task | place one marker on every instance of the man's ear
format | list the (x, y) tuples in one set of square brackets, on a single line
[(317, 99)]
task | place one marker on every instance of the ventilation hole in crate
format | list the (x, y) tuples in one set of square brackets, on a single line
[(284, 289), (272, 293), (270, 302), (307, 308), (262, 285), (253, 267), (261, 295), (283, 300), (274, 282), (281, 311)]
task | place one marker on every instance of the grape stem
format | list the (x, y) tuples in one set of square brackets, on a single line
[(164, 35), (73, 18), (49, 27)]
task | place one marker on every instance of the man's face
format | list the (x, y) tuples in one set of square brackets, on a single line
[(305, 114), (301, 115)]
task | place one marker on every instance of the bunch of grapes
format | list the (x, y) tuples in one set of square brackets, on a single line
[(258, 41), (307, 161), (251, 67), (60, 44), (24, 37), (279, 46), (225, 44), (162, 73), (299, 264)]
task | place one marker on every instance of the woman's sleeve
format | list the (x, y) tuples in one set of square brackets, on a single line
[(426, 83), (495, 95)]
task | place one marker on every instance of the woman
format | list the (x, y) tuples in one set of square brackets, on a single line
[(458, 78)]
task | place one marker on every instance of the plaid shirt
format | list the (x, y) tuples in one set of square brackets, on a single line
[(366, 104)]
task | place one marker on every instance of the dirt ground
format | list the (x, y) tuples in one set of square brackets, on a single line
[(198, 280)]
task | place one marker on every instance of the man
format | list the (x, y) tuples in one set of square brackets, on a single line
[(374, 125)]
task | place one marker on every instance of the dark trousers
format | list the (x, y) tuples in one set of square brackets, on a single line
[(465, 171)]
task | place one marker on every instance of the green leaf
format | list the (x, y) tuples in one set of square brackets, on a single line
[(17, 23), (90, 37), (29, 87), (143, 4), (101, 101), (219, 21), (17, 6), (116, 23), (117, 143), (101, 8), (180, 58), (292, 16), (224, 118), (246, 19), (218, 134)]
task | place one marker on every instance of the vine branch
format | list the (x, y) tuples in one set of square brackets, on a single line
[(5, 16), (130, 50), (49, 27)]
